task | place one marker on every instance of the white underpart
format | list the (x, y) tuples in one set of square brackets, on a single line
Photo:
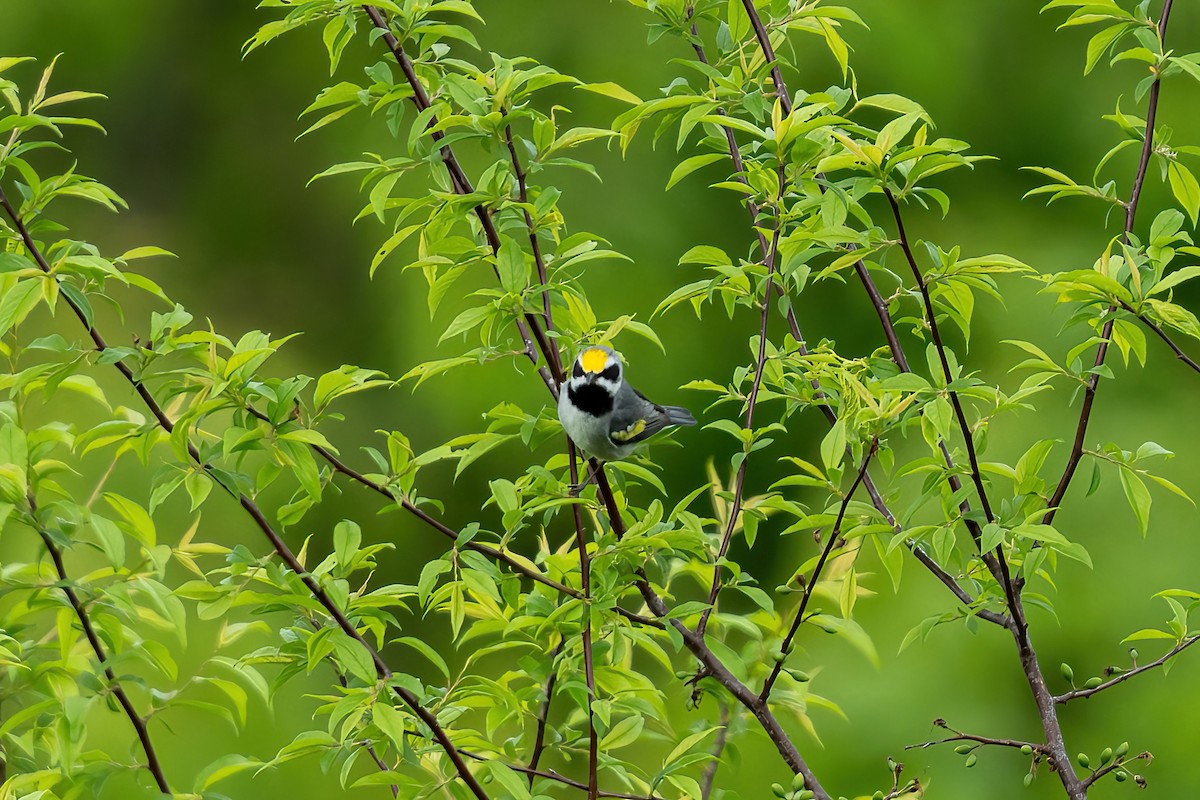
[(590, 432)]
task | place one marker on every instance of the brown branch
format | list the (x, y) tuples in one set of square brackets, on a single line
[(998, 564), (959, 736), (539, 739), (251, 508), (1124, 676), (1160, 333), (585, 573), (739, 486), (550, 774), (710, 769), (458, 179), (139, 724), (834, 535), (1093, 380), (1120, 763), (880, 306)]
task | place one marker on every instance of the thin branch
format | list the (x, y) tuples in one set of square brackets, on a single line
[(585, 573), (1093, 380), (764, 42), (251, 508), (880, 306), (1160, 333), (834, 535), (1000, 564), (710, 769), (959, 736), (139, 724), (458, 179), (739, 486), (1124, 676), (1120, 763), (550, 774), (539, 739)]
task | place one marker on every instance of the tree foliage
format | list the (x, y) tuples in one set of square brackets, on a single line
[(583, 618)]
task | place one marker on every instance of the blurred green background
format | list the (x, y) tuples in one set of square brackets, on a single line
[(201, 144)]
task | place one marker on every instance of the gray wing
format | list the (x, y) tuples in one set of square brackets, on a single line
[(635, 418)]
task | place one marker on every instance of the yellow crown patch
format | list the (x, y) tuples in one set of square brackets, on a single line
[(593, 359)]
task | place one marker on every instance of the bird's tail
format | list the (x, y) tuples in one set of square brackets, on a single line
[(679, 416)]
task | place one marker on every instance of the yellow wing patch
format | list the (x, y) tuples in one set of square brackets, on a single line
[(629, 433), (594, 359)]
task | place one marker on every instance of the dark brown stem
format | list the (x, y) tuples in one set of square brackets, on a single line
[(1124, 676), (998, 563), (550, 774), (735, 509), (880, 306), (1122, 763), (534, 245), (251, 508), (371, 751), (833, 536), (982, 740), (710, 769), (1160, 333), (458, 179), (539, 739), (1093, 380), (764, 42), (139, 725), (585, 573)]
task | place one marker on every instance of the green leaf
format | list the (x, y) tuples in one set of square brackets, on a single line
[(1185, 188), (833, 446), (690, 165), (1138, 496)]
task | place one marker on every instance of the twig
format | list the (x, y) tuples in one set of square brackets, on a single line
[(139, 724), (539, 739), (550, 774), (1000, 565), (1124, 676), (833, 536), (585, 573), (1120, 763), (1160, 333), (529, 326), (251, 508), (739, 486), (880, 306), (959, 736), (710, 769), (1093, 380)]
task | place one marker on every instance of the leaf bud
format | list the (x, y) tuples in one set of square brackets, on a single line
[(1028, 778), (1122, 749), (971, 759), (799, 675), (778, 790), (1083, 760), (1106, 756), (798, 782), (963, 749), (1067, 673), (1092, 683), (1026, 750)]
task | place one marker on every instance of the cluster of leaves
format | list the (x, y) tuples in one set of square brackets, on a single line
[(628, 596)]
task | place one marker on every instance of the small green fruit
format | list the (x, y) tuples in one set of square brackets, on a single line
[(1026, 750), (1083, 760)]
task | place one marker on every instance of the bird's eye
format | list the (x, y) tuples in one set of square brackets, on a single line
[(578, 371), (612, 372)]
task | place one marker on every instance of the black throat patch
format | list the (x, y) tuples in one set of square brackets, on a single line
[(592, 399)]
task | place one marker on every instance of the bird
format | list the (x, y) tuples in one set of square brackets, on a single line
[(605, 416)]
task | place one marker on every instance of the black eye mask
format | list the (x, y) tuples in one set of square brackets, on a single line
[(611, 373), (578, 371)]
